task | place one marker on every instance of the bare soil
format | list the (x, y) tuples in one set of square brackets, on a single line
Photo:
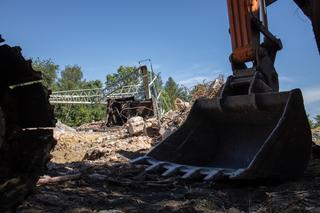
[(103, 180)]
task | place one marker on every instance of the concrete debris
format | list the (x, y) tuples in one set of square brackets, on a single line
[(63, 127), (96, 142), (316, 135), (167, 132), (96, 153), (181, 105), (151, 127), (135, 125), (111, 145), (172, 120), (99, 126), (208, 90)]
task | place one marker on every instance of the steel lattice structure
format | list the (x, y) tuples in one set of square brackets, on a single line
[(140, 89), (96, 95)]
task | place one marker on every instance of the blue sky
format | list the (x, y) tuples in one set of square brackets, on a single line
[(186, 39)]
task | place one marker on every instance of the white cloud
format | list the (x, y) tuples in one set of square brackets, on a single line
[(194, 80), (207, 76), (311, 95)]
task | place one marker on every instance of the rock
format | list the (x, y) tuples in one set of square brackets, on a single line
[(99, 126), (214, 88), (181, 105), (166, 132), (62, 127), (151, 127), (208, 89), (95, 154), (135, 125), (316, 136)]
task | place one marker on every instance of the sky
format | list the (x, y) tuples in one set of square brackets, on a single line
[(185, 39)]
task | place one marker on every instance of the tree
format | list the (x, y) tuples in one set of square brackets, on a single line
[(122, 73), (311, 122), (92, 84), (71, 78), (172, 91), (184, 93), (172, 88), (75, 115), (49, 71)]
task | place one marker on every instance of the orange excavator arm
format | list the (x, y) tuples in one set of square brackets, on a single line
[(245, 132), (245, 39)]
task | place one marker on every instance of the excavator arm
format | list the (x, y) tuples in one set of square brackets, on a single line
[(251, 130)]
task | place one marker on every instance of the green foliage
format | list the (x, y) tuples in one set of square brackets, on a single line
[(49, 72), (171, 92), (92, 84), (315, 122), (184, 93), (75, 115), (311, 122), (122, 73), (71, 78)]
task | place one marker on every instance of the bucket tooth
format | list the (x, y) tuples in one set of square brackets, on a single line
[(213, 175), (140, 160), (155, 166), (192, 173), (171, 170)]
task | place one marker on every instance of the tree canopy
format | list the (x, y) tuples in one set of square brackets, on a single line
[(71, 78), (172, 91), (49, 71), (122, 73)]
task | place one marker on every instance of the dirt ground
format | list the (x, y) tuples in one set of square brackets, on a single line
[(99, 178)]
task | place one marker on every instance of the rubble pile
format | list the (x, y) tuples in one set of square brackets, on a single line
[(96, 142), (316, 135), (76, 146), (99, 126), (207, 89)]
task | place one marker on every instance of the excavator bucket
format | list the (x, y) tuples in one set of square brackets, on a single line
[(255, 136)]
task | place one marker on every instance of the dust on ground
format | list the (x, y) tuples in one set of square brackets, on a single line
[(91, 172)]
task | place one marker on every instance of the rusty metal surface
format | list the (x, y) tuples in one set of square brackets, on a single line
[(244, 38)]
